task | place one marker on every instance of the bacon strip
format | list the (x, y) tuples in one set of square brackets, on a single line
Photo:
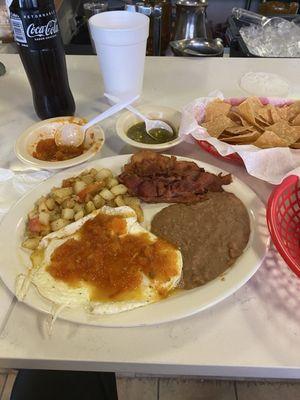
[(155, 178)]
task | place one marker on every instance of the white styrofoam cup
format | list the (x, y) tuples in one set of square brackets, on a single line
[(120, 39)]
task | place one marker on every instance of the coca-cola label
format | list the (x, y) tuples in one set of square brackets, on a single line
[(43, 31), (35, 29)]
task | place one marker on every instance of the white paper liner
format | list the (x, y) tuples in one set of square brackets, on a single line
[(270, 165)]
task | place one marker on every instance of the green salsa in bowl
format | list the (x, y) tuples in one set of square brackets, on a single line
[(133, 131), (138, 133)]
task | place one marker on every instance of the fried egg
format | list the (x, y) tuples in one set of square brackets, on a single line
[(62, 294)]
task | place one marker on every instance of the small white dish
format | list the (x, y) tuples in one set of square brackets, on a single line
[(167, 114), (27, 141)]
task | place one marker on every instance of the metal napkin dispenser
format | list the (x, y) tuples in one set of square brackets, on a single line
[(190, 19)]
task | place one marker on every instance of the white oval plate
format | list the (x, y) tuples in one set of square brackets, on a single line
[(14, 260), (26, 143)]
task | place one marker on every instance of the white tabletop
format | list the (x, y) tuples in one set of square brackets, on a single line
[(254, 333)]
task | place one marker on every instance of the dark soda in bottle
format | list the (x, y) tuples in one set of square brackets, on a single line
[(36, 32)]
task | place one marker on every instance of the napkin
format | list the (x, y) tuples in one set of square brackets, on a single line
[(270, 165), (12, 187)]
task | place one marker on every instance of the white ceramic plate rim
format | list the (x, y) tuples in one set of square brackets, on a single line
[(26, 157), (13, 259)]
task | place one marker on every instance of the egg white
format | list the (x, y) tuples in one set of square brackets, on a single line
[(61, 293)]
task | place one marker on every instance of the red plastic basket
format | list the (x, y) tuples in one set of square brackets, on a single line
[(233, 158), (283, 217)]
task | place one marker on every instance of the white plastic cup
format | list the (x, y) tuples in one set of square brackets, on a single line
[(120, 39)]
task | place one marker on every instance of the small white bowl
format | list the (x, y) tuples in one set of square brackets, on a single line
[(27, 141), (167, 114)]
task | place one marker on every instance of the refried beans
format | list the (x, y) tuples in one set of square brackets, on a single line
[(211, 235)]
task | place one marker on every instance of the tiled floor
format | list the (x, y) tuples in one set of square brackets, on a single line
[(186, 389), (190, 389), (137, 389), (268, 391), (198, 389)]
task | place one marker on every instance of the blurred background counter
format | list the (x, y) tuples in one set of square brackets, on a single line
[(216, 19)]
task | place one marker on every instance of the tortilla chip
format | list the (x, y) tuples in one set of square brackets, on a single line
[(270, 139), (287, 132), (261, 124), (296, 132), (215, 108), (237, 118), (218, 125), (249, 109), (296, 120), (283, 112), (274, 113), (280, 127), (263, 112), (236, 130), (246, 138), (246, 110), (295, 145), (254, 102), (264, 115), (264, 125), (293, 110)]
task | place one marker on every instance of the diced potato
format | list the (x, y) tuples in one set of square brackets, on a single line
[(93, 172), (45, 231), (98, 201), (111, 182), (30, 234), (67, 213), (78, 207), (131, 201), (107, 194), (68, 203), (103, 174), (40, 200), (77, 197), (32, 214), (89, 207), (50, 203), (42, 207), (44, 218), (31, 243), (62, 192), (79, 186), (68, 182), (58, 224), (79, 215), (119, 201), (59, 201), (87, 179), (53, 216), (119, 189)]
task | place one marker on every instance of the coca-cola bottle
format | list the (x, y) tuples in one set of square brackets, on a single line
[(36, 32)]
